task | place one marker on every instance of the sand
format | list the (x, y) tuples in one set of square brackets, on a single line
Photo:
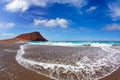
[(114, 76), (11, 70)]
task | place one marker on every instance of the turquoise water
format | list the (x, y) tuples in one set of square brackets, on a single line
[(76, 42)]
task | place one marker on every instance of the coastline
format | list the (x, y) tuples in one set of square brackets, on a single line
[(11, 70)]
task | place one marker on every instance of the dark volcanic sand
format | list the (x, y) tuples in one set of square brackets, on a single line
[(114, 76), (11, 70)]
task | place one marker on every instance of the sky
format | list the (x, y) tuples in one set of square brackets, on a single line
[(61, 20)]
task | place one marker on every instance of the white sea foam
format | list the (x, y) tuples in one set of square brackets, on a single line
[(72, 44), (100, 45), (85, 69), (57, 44)]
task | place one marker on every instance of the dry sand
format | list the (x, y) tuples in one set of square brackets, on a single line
[(11, 70)]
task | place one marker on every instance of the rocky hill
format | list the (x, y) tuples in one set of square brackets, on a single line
[(33, 36)]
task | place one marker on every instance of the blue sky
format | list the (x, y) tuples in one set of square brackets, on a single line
[(72, 20)]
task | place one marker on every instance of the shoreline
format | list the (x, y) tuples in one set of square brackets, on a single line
[(11, 70), (21, 73), (113, 76)]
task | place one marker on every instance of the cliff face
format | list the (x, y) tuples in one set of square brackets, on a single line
[(34, 36)]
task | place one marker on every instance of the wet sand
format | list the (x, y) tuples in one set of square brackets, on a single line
[(114, 76), (11, 70)]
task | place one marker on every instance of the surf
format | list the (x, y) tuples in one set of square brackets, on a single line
[(83, 69)]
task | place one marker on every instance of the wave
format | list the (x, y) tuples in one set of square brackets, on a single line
[(93, 44), (85, 68)]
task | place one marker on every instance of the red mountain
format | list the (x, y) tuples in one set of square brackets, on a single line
[(34, 36)]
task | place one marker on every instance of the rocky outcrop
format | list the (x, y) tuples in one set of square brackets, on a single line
[(34, 36)]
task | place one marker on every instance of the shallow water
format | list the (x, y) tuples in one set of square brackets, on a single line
[(70, 63)]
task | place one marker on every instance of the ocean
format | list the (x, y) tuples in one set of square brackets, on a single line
[(69, 43), (71, 60)]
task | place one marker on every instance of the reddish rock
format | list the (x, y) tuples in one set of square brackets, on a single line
[(34, 36)]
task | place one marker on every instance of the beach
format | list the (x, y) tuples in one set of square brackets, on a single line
[(114, 76), (11, 70)]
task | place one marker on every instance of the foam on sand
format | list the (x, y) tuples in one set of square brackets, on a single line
[(100, 45), (85, 68)]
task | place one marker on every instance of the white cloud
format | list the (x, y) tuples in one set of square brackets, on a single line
[(23, 5), (10, 25), (112, 27), (114, 9), (78, 3), (4, 25), (52, 22), (17, 5), (91, 9)]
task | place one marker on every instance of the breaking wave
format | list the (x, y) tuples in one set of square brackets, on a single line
[(70, 63)]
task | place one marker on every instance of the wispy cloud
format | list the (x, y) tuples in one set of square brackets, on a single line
[(91, 9), (52, 22), (23, 5), (85, 29), (4, 25), (112, 27), (114, 9)]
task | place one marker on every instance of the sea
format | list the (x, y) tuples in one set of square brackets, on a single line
[(69, 43), (71, 60)]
